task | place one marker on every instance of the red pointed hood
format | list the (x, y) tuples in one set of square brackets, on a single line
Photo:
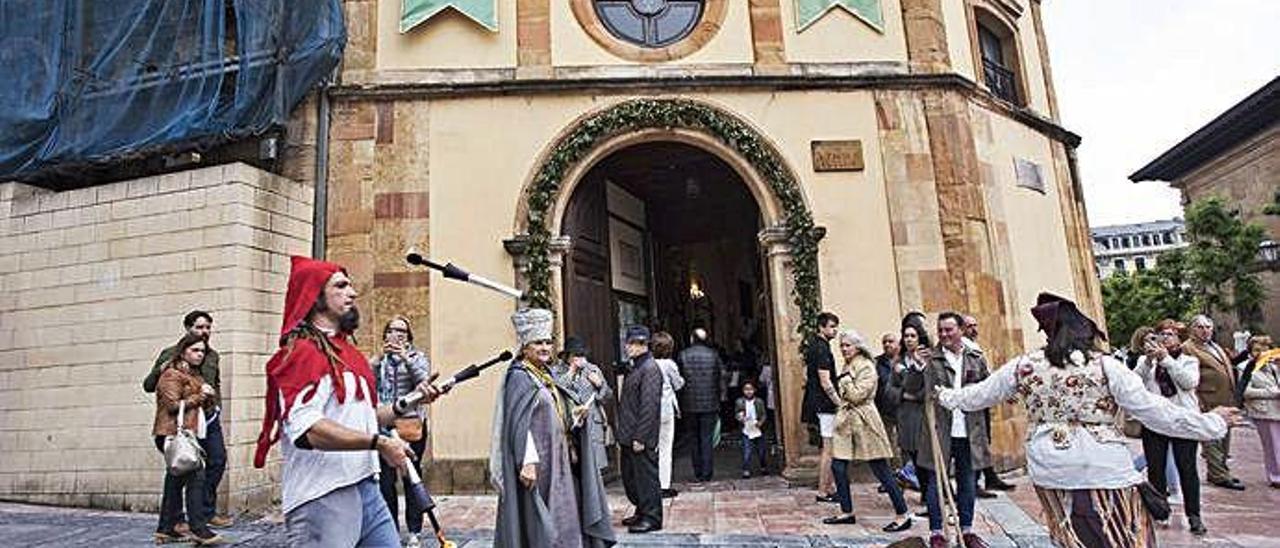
[(307, 278)]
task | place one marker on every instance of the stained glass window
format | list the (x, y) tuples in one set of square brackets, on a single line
[(650, 23)]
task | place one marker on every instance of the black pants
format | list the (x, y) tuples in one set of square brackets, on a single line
[(215, 450), (387, 484), (703, 425), (189, 487), (1156, 447), (640, 480)]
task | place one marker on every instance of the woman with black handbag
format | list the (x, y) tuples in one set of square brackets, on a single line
[(181, 394), (1077, 458)]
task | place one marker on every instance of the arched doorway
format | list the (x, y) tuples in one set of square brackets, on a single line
[(665, 234), (787, 240)]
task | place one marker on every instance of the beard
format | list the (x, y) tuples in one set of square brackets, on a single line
[(350, 321)]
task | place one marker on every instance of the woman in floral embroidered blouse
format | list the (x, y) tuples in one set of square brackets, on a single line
[(1076, 456)]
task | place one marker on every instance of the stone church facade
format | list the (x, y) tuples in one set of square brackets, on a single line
[(732, 163)]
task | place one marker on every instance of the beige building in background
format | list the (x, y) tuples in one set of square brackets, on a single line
[(921, 137), (1235, 157)]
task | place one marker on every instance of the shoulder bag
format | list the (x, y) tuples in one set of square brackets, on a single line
[(182, 451)]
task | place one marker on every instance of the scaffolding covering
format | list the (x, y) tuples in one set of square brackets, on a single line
[(101, 81)]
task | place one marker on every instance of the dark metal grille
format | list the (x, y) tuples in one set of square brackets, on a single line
[(1000, 81)]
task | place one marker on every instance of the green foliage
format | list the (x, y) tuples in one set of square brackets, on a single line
[(1220, 261), (1273, 208), (638, 114), (1146, 297)]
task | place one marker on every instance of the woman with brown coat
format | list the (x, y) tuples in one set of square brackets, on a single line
[(859, 434), (180, 383)]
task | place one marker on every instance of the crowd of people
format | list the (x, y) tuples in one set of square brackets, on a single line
[(916, 414)]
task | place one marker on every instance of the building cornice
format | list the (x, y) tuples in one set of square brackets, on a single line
[(1247, 118), (432, 84)]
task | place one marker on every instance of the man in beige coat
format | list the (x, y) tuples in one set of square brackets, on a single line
[(1217, 388)]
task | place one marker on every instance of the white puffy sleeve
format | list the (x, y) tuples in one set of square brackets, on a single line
[(998, 387), (1158, 413), (1185, 371)]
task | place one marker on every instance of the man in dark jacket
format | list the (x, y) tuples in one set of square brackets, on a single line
[(199, 322), (639, 416), (885, 405), (700, 366)]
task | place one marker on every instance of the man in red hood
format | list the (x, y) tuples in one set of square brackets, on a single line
[(320, 393)]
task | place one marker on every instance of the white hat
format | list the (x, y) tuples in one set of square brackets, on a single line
[(533, 324)]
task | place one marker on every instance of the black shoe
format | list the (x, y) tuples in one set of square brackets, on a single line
[(994, 483), (984, 494), (923, 513), (1232, 484), (669, 493), (881, 490), (746, 474), (630, 520), (1196, 526), (841, 520), (897, 526), (826, 498), (644, 526)]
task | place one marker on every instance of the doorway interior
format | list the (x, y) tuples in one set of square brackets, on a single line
[(665, 234)]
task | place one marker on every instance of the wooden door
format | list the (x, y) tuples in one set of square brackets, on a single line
[(588, 297)]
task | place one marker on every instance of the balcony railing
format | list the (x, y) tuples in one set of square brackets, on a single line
[(1000, 81)]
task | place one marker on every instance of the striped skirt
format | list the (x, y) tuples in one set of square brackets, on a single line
[(1097, 518)]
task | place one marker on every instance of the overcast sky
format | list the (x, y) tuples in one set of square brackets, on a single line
[(1135, 77)]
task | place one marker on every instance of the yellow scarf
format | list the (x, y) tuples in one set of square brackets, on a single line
[(543, 376), (1265, 358)]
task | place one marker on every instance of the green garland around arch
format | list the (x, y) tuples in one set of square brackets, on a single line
[(640, 114)]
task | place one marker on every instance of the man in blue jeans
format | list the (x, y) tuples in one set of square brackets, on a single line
[(321, 404), (200, 323), (963, 437)]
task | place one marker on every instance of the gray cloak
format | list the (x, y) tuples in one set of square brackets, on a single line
[(567, 507)]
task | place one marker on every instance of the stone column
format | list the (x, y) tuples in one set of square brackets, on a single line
[(948, 250), (801, 458), (926, 36), (533, 38), (766, 37)]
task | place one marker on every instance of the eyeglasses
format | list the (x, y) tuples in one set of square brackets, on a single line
[(397, 330), (543, 342)]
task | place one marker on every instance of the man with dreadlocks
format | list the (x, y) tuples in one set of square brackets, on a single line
[(320, 393), (1077, 458)]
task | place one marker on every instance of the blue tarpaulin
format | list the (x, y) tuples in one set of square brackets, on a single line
[(94, 81)]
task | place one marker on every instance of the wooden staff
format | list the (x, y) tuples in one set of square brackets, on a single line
[(950, 514)]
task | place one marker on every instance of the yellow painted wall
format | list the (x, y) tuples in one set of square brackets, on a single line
[(476, 178), (448, 40), (572, 46), (840, 37), (1037, 241), (958, 45)]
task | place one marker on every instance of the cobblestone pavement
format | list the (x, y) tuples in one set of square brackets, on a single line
[(746, 513), (740, 513)]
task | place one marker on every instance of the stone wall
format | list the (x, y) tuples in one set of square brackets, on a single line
[(94, 283), (1247, 178)]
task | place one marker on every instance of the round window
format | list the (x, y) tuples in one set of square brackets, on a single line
[(650, 23)]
